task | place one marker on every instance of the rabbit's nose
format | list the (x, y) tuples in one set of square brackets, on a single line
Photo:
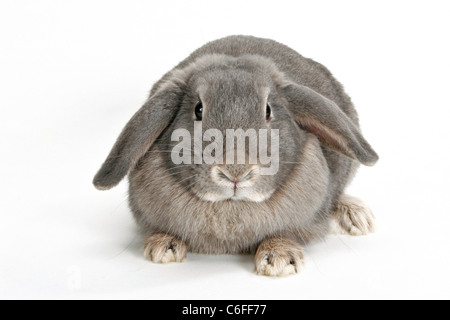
[(235, 174)]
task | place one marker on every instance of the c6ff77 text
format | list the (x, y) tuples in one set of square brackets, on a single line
[(244, 309)]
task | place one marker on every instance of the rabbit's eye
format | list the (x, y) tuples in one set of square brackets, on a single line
[(268, 112), (199, 111)]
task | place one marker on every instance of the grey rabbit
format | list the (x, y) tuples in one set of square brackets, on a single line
[(243, 82)]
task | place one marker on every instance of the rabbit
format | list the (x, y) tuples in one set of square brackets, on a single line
[(243, 82)]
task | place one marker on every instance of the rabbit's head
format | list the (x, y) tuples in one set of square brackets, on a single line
[(230, 129)]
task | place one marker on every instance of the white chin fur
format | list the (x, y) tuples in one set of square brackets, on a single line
[(239, 196), (213, 197), (252, 197)]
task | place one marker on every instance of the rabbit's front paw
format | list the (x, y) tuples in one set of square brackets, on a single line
[(163, 248), (352, 216), (277, 257)]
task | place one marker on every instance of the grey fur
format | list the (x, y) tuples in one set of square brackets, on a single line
[(319, 139)]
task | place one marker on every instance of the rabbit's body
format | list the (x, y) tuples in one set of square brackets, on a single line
[(184, 207), (229, 227)]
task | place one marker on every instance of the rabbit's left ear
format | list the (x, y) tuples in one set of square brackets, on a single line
[(139, 134), (322, 117)]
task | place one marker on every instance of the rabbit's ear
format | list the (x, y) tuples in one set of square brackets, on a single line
[(322, 117), (138, 135)]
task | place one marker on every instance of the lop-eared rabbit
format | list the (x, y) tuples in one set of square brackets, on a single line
[(247, 83)]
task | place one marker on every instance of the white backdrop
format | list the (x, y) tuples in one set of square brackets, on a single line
[(73, 72)]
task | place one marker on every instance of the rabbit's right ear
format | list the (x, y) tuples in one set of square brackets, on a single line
[(138, 135), (322, 117)]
